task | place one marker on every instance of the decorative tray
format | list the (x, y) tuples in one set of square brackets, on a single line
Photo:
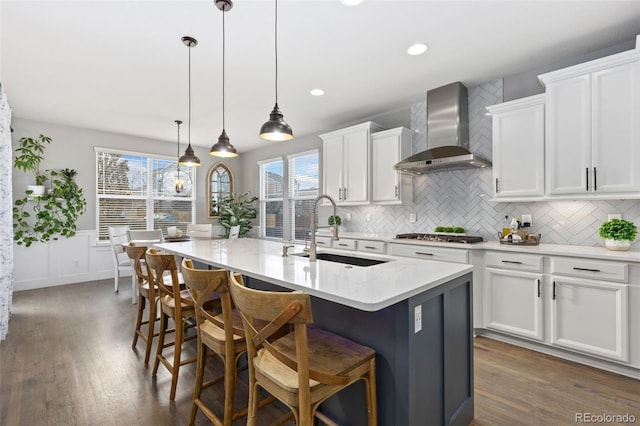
[(528, 240), (176, 239)]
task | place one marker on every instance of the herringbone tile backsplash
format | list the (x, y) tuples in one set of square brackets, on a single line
[(461, 197)]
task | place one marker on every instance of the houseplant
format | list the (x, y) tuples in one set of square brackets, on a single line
[(618, 234), (29, 155), (237, 210), (51, 215), (334, 220)]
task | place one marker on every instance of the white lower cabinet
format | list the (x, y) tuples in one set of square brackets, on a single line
[(577, 304), (591, 317), (513, 303)]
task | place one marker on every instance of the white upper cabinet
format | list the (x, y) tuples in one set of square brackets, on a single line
[(592, 128), (518, 149), (345, 162), (387, 148)]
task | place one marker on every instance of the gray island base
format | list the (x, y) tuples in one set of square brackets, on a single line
[(423, 378)]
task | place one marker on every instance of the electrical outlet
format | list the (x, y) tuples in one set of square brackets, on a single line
[(368, 217), (526, 220), (412, 218), (614, 216), (418, 319), (348, 216)]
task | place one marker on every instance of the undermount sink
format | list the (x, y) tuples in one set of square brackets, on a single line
[(349, 260)]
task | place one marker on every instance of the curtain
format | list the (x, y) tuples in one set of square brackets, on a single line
[(6, 215)]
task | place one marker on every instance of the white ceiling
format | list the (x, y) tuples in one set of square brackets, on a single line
[(120, 66)]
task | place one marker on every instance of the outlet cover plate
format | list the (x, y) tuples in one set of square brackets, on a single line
[(614, 216)]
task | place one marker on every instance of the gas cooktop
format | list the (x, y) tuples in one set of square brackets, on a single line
[(462, 239)]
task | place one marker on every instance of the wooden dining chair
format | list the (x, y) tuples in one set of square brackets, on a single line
[(223, 334), (177, 304), (117, 238), (148, 293), (303, 368), (200, 231)]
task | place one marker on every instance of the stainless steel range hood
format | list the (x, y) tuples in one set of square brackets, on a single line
[(447, 134)]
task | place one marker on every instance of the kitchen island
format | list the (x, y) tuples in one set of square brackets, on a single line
[(415, 313)]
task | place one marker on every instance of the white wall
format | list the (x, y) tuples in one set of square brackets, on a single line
[(73, 148)]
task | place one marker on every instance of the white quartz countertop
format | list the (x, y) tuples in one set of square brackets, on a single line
[(369, 288), (542, 248)]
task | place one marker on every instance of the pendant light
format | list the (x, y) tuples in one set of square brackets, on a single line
[(179, 183), (276, 129), (189, 158), (223, 147)]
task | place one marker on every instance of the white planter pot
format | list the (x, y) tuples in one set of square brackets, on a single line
[(617, 245), (234, 232), (37, 190)]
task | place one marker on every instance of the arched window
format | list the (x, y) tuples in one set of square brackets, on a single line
[(220, 187)]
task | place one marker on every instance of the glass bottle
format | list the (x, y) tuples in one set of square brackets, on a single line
[(506, 227)]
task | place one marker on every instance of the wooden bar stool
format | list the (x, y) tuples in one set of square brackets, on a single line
[(223, 334), (177, 305), (147, 292), (303, 368)]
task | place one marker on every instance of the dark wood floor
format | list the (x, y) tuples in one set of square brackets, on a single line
[(68, 361)]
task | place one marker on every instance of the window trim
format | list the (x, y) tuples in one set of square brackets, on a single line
[(262, 200), (213, 168), (149, 198)]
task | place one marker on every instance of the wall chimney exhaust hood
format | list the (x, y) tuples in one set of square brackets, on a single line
[(447, 134)]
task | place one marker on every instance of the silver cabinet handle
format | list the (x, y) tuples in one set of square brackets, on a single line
[(396, 191), (370, 247), (345, 193), (497, 188), (339, 193)]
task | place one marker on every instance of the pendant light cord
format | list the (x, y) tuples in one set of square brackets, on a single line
[(276, 50), (223, 51), (189, 130), (178, 163)]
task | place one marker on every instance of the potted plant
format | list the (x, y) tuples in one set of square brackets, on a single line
[(237, 211), (30, 154), (618, 234), (334, 220), (52, 215)]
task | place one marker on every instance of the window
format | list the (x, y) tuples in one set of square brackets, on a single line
[(303, 190), (272, 198), (138, 190), (220, 183), (286, 209)]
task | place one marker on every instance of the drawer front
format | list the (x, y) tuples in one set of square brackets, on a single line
[(590, 268), (323, 241), (372, 246), (515, 261), (345, 244), (429, 253)]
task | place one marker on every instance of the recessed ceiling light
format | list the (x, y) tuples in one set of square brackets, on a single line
[(417, 49), (351, 2), (317, 92)]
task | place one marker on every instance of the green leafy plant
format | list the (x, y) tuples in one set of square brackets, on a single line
[(450, 229), (334, 220), (237, 210), (50, 216), (618, 229), (30, 154)]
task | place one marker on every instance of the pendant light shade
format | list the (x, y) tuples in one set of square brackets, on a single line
[(223, 147), (276, 129), (179, 183), (189, 158)]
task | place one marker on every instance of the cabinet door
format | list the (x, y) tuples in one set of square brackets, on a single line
[(616, 128), (385, 153), (568, 136), (355, 167), (332, 166), (513, 303), (591, 317), (518, 152)]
